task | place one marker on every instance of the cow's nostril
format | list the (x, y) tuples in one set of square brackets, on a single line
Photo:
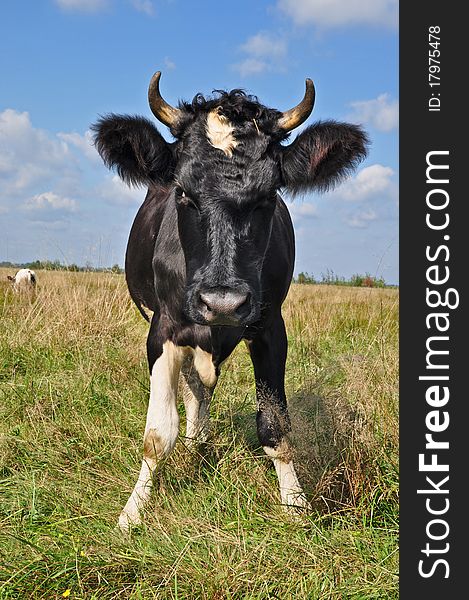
[(244, 302), (205, 299)]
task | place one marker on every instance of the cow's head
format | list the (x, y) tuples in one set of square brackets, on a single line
[(224, 170)]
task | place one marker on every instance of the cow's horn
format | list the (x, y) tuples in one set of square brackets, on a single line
[(163, 111), (296, 116)]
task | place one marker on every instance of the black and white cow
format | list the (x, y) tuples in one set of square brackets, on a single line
[(211, 253), (24, 280)]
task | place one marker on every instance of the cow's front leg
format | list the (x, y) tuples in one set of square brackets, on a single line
[(161, 429), (268, 353)]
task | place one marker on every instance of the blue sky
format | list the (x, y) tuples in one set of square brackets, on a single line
[(64, 62)]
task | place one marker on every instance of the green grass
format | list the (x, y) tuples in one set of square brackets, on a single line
[(73, 396)]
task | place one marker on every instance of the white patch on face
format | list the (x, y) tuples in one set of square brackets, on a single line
[(291, 492), (204, 366), (220, 132), (161, 429)]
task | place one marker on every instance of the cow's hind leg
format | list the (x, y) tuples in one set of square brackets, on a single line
[(161, 429), (268, 353)]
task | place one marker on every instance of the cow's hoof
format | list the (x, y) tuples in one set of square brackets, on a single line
[(295, 504), (127, 522)]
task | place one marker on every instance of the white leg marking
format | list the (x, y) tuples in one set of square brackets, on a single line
[(161, 429), (196, 401), (291, 492), (205, 367), (130, 514), (199, 379)]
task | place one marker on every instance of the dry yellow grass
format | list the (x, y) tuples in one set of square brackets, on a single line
[(346, 340)]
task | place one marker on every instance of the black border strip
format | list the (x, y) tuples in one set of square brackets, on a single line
[(423, 131)]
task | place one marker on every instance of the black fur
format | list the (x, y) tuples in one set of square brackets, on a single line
[(135, 148), (213, 223), (322, 156)]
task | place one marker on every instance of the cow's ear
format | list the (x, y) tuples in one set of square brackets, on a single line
[(322, 156), (135, 148), (10, 277)]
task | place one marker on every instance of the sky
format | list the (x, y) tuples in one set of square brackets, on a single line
[(65, 62)]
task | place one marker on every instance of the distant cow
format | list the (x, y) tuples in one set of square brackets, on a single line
[(211, 253), (24, 280)]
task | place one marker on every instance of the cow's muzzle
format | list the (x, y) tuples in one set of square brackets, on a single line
[(224, 306)]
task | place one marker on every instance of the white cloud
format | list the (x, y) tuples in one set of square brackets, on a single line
[(92, 6), (27, 154), (381, 112), (52, 197), (43, 174), (265, 52), (65, 164), (300, 211), (250, 66), (20, 139), (84, 143), (82, 5), (369, 196), (337, 13), (304, 209), (169, 64), (32, 158), (362, 218), (114, 191), (368, 183), (50, 201), (264, 45), (144, 6)]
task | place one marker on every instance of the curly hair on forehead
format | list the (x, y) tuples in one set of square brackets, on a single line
[(237, 105), (241, 109)]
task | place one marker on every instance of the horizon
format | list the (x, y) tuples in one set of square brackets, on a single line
[(50, 265)]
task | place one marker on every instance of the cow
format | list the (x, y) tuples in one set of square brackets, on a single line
[(24, 281), (211, 254)]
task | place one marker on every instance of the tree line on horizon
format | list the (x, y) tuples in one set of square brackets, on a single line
[(56, 265), (328, 278), (331, 278)]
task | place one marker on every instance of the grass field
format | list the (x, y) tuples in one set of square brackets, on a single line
[(73, 396)]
